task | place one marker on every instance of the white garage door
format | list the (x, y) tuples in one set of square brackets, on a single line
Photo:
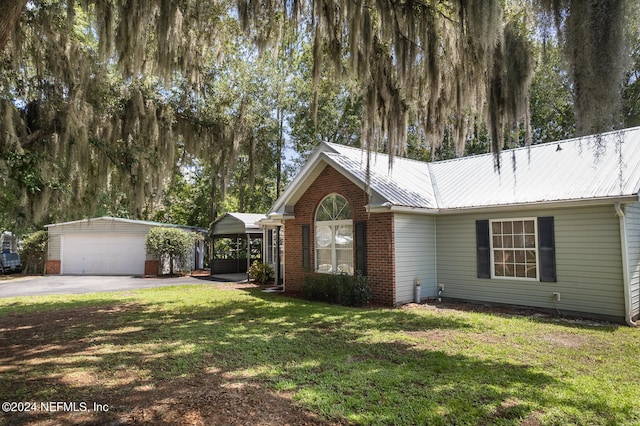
[(103, 254)]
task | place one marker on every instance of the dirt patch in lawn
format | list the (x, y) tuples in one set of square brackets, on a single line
[(452, 306), (56, 368)]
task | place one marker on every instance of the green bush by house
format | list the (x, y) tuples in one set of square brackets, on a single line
[(342, 289), (261, 272)]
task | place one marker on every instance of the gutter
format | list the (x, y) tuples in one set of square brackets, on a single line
[(581, 202), (625, 267), (389, 206)]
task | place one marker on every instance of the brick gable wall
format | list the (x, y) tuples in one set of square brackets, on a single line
[(380, 241)]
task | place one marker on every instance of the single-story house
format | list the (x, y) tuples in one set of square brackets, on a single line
[(557, 226), (237, 241), (108, 246)]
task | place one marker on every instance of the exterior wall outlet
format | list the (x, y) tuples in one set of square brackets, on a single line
[(556, 296)]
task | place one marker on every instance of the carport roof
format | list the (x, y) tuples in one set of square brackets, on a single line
[(237, 223)]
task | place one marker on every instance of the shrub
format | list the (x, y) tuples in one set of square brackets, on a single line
[(173, 244), (33, 251), (261, 272), (342, 289)]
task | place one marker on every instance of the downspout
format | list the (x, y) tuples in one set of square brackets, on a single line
[(625, 267)]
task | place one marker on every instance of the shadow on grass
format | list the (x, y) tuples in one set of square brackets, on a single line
[(213, 356)]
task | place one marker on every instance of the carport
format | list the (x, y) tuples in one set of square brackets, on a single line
[(237, 242)]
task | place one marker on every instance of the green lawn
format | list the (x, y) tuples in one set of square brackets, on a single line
[(362, 366)]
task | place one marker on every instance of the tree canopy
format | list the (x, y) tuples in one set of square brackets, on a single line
[(103, 102)]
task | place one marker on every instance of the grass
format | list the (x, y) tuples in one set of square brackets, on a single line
[(362, 366)]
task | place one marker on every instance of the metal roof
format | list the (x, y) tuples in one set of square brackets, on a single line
[(237, 223), (599, 167), (408, 183), (588, 168), (132, 221)]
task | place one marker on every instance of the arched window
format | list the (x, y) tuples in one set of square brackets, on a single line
[(334, 236)]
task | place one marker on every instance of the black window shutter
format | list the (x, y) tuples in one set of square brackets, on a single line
[(306, 247), (361, 247), (483, 249), (547, 249)]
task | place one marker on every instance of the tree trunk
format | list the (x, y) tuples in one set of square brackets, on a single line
[(9, 13), (213, 207), (279, 152)]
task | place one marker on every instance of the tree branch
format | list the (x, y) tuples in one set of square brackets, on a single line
[(9, 14)]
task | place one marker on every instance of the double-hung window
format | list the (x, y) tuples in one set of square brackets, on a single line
[(522, 248), (514, 252), (334, 236)]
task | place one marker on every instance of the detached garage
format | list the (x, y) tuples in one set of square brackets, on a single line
[(102, 246)]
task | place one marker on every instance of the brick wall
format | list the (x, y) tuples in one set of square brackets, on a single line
[(52, 267), (380, 258), (151, 267)]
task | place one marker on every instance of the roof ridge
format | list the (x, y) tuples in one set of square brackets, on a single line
[(543, 144), (337, 147), (395, 157)]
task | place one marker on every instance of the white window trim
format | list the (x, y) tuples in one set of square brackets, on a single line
[(333, 224), (493, 265)]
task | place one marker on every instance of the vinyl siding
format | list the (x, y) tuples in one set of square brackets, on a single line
[(588, 262), (54, 246), (415, 255), (632, 217)]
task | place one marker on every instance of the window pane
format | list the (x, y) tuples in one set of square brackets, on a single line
[(531, 256), (530, 241), (325, 210), (518, 227), (507, 241), (509, 256), (518, 241), (520, 271), (509, 270), (344, 258), (334, 207), (496, 228), (498, 256), (507, 228), (531, 271), (323, 259), (497, 242), (344, 236), (341, 208), (499, 270), (520, 258), (324, 236), (529, 227)]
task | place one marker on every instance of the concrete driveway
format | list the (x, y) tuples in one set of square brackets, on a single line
[(69, 284)]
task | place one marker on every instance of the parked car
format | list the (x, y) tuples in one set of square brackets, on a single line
[(10, 262), (9, 258)]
